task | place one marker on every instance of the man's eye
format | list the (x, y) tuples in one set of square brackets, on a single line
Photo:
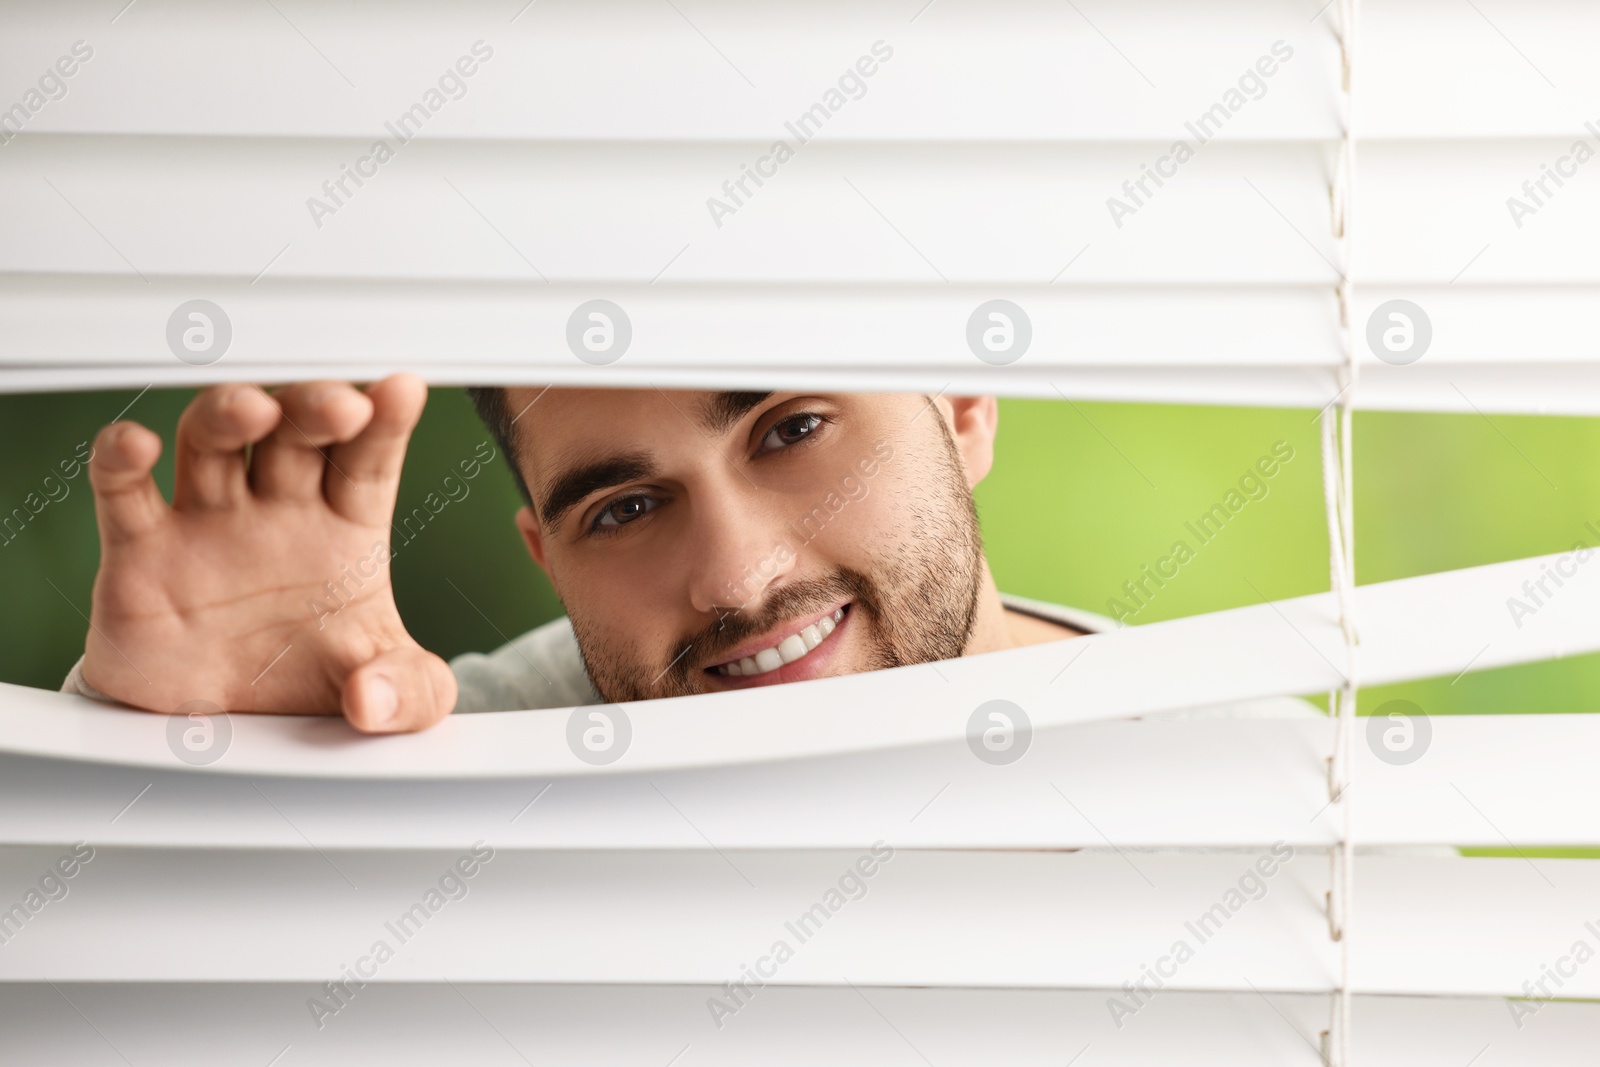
[(621, 512), (791, 430)]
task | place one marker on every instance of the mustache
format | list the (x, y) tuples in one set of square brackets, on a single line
[(796, 598)]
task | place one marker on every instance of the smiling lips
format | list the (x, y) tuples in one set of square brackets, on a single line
[(794, 647)]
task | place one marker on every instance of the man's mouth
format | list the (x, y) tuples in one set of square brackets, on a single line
[(792, 647)]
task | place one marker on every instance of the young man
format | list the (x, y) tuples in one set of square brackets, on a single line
[(700, 541)]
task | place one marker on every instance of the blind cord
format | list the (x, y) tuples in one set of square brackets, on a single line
[(1338, 499)]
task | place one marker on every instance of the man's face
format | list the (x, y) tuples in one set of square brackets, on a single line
[(706, 541)]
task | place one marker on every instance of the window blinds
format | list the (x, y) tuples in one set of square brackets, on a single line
[(994, 151), (939, 157)]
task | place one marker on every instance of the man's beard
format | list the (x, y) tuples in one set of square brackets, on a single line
[(917, 607)]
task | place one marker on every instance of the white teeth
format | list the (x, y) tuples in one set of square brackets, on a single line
[(791, 648)]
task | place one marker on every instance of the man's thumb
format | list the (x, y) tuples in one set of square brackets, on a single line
[(402, 690)]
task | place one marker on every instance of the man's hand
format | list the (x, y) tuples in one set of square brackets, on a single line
[(225, 596)]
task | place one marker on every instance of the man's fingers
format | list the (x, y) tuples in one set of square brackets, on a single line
[(126, 500), (212, 435), (289, 464), (371, 463), (401, 691)]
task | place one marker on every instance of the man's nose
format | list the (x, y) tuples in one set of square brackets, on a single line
[(740, 551)]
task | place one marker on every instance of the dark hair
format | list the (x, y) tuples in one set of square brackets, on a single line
[(490, 401)]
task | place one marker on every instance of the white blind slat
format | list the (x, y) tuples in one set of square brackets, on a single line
[(1007, 919), (413, 1023), (1481, 779), (660, 79)]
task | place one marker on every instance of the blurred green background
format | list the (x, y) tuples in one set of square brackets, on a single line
[(1082, 496)]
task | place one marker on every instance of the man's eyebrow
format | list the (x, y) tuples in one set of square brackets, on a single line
[(724, 409), (573, 485)]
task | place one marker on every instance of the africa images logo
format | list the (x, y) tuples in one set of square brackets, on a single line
[(806, 126), (1205, 129), (451, 85)]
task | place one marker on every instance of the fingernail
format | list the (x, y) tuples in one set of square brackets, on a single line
[(382, 699)]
